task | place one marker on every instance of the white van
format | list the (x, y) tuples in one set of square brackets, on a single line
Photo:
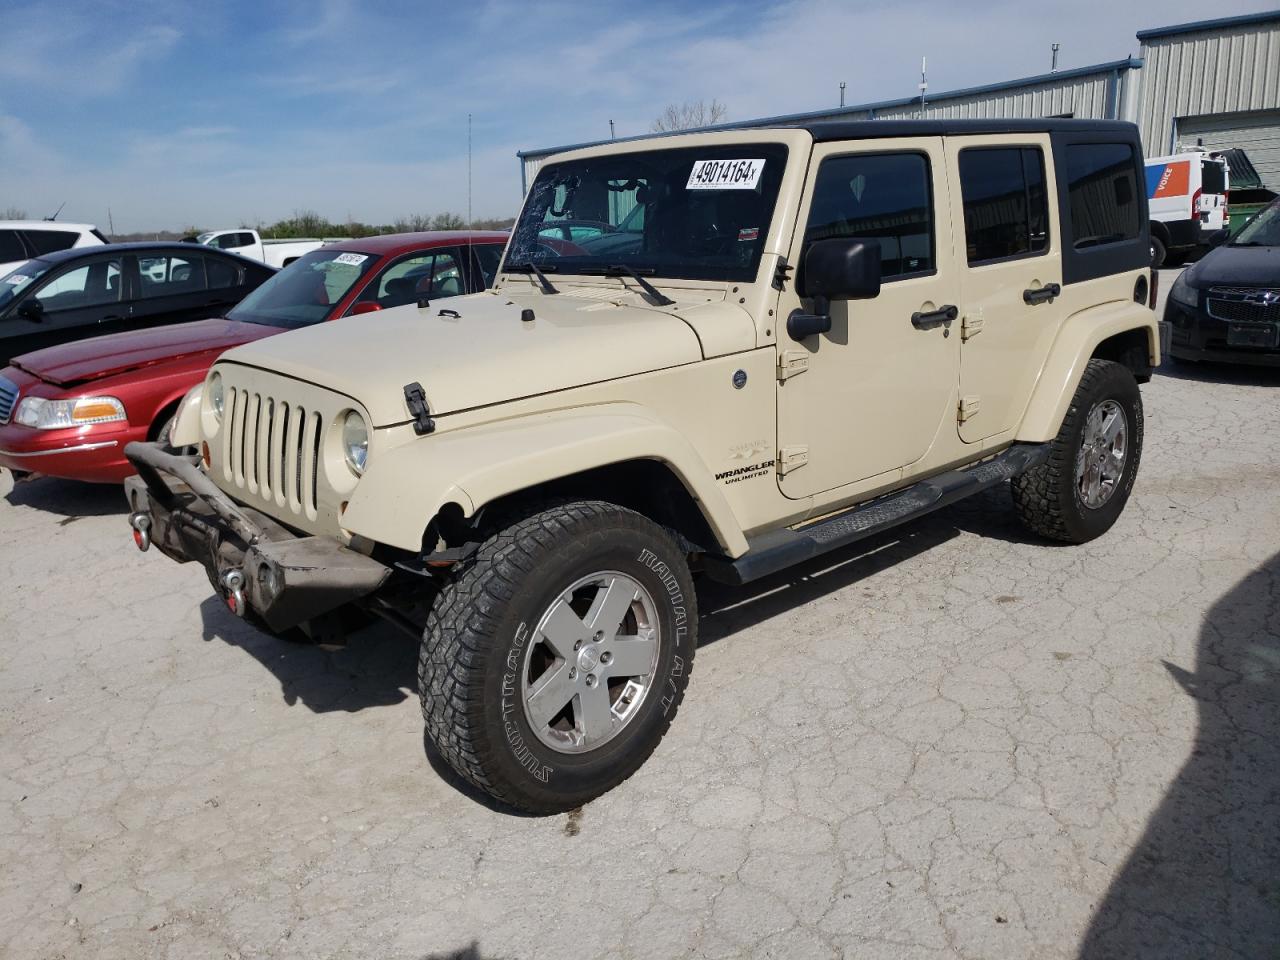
[(1187, 197)]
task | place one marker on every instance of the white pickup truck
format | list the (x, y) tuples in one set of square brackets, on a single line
[(275, 253)]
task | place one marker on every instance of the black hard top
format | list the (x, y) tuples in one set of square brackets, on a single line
[(875, 129), (139, 247)]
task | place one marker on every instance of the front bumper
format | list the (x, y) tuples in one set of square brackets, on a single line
[(93, 455), (252, 560), (1195, 335)]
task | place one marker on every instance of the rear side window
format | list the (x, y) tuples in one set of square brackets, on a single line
[(168, 276), (11, 247), (487, 256), (1102, 191), (51, 241), (220, 273), (877, 196), (1006, 208)]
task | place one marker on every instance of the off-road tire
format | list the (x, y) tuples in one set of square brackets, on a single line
[(471, 660), (1046, 497)]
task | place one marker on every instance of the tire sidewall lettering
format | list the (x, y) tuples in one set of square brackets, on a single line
[(540, 771)]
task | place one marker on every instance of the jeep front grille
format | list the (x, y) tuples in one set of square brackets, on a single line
[(271, 449), (8, 397), (1244, 304)]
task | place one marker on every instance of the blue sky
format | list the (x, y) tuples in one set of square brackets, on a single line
[(217, 113)]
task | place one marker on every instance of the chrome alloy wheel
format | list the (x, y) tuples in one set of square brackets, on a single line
[(590, 662), (1103, 452)]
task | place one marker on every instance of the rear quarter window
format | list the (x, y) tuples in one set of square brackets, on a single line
[(51, 241), (1102, 193)]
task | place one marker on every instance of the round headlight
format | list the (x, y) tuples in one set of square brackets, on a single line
[(355, 442), (216, 399)]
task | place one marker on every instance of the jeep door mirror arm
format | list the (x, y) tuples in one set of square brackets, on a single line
[(801, 325)]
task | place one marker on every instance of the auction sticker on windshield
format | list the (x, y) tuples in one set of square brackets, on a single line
[(352, 259), (725, 174)]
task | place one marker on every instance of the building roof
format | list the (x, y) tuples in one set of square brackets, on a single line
[(864, 129), (1199, 26), (802, 119)]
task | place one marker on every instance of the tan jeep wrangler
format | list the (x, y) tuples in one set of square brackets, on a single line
[(718, 353)]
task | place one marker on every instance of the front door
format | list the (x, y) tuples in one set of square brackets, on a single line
[(84, 299), (868, 398), (1010, 266)]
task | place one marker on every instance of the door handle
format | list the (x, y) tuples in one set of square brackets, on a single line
[(1041, 294), (111, 316), (941, 317)]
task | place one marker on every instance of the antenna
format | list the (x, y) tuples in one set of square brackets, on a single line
[(56, 212), (842, 86), (470, 253), (924, 85), (111, 224), (1053, 63)]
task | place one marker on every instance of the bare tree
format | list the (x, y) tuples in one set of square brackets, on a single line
[(448, 221), (13, 213), (686, 116)]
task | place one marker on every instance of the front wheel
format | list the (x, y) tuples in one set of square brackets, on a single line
[(553, 663), (1079, 492)]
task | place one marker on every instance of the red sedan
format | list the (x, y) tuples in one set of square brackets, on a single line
[(68, 411)]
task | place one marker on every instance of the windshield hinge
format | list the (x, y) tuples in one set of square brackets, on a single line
[(792, 458), (781, 274), (792, 362), (968, 408), (416, 400), (971, 325)]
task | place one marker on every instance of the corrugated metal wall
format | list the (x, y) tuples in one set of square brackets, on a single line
[(1231, 68), (1257, 134)]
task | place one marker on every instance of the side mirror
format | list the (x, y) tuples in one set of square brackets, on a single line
[(31, 309), (841, 269), (1219, 237), (366, 306)]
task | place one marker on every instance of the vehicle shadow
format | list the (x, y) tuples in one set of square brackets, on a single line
[(1210, 371), (1204, 879), (469, 952), (69, 498), (377, 668)]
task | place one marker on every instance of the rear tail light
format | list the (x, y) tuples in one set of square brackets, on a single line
[(1154, 290), (1195, 204)]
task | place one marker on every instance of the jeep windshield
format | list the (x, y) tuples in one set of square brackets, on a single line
[(695, 213), (306, 291)]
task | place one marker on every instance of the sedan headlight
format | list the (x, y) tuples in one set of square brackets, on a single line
[(45, 414), (216, 396), (355, 442), (1184, 293)]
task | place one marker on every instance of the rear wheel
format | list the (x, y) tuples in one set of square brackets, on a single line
[(1158, 253), (553, 664), (1079, 492)]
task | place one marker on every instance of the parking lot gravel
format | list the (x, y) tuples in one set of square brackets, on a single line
[(955, 741)]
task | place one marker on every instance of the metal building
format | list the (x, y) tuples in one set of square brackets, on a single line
[(1216, 82)]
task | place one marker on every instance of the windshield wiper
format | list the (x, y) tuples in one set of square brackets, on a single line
[(530, 267), (614, 269)]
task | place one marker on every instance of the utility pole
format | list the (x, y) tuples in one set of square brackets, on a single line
[(924, 84), (842, 86), (612, 135), (1053, 64)]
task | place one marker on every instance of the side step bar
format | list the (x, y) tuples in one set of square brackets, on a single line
[(779, 549)]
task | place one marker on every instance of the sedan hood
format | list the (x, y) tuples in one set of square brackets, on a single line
[(1229, 266), (475, 351), (69, 364)]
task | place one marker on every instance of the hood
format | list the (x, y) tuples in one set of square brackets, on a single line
[(83, 360), (486, 355), (1237, 266)]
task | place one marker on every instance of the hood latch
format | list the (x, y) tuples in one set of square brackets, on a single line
[(416, 400)]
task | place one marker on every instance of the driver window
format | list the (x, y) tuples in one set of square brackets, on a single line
[(88, 286), (403, 282), (877, 196)]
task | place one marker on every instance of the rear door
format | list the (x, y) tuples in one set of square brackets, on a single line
[(1010, 263), (172, 288)]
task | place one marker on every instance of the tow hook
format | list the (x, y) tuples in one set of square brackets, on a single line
[(233, 584), (141, 523)]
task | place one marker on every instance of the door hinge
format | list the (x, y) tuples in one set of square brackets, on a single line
[(968, 408), (971, 325), (792, 362), (791, 458)]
